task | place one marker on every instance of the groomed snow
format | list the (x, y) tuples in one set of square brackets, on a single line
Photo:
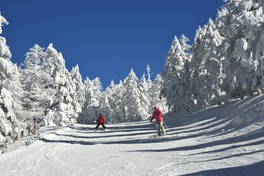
[(226, 140)]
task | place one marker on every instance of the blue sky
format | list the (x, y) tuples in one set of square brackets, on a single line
[(106, 38)]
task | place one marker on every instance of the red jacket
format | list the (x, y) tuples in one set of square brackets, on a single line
[(101, 119), (158, 115)]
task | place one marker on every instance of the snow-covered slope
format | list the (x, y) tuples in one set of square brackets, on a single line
[(226, 140)]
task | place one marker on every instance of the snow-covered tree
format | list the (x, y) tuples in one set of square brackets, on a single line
[(172, 75), (34, 81), (78, 88), (185, 46), (106, 103), (133, 106), (93, 96), (117, 103), (85, 115), (11, 122), (60, 109), (155, 97), (206, 66), (144, 87), (34, 57), (240, 23)]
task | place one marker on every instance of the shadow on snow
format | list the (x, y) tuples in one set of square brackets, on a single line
[(208, 123), (248, 170)]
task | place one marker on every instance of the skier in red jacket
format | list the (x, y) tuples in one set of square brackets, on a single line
[(100, 121), (158, 116)]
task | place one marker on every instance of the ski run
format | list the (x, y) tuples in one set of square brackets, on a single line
[(226, 140)]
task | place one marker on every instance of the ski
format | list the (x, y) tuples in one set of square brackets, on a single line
[(165, 136)]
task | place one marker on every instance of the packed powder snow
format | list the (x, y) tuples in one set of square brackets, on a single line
[(217, 141)]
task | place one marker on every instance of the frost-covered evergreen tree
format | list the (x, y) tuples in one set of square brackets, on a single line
[(34, 57), (155, 97), (133, 106), (34, 81), (11, 122), (186, 101), (117, 103), (93, 96), (240, 23), (78, 88), (173, 73), (185, 46), (85, 117), (206, 66), (106, 103), (60, 109), (144, 87)]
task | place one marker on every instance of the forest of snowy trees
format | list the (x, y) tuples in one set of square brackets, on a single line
[(225, 61), (43, 88)]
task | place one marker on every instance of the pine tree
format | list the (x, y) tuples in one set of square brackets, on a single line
[(78, 93), (34, 80), (60, 109), (118, 103), (85, 116), (133, 106), (173, 73), (93, 97), (240, 23), (34, 57), (144, 87), (155, 97), (206, 65), (106, 104), (11, 121)]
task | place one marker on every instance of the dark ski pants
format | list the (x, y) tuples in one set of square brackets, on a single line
[(98, 124)]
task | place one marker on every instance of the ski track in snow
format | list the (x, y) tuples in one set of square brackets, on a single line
[(203, 143)]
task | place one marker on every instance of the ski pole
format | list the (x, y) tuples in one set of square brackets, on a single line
[(166, 126)]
